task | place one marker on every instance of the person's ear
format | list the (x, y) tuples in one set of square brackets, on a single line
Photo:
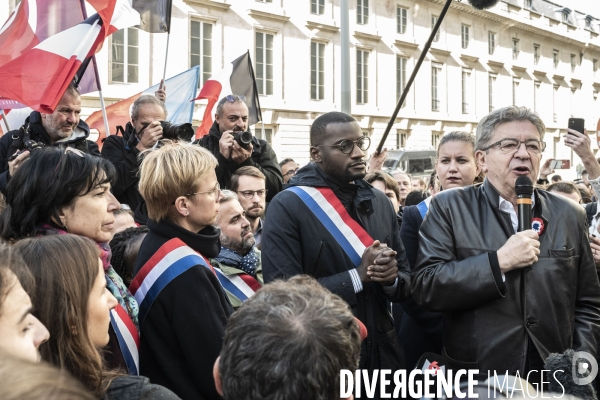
[(315, 154), (182, 206), (481, 160), (217, 377), (62, 216)]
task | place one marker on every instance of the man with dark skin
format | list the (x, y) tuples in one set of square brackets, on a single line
[(299, 243)]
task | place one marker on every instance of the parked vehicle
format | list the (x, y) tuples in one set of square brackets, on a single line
[(416, 162)]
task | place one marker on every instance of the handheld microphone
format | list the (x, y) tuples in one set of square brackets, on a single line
[(565, 375), (524, 190), (483, 4)]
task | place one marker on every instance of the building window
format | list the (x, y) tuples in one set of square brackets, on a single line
[(362, 76), (573, 58), (400, 76), (595, 65), (491, 84), (267, 136), (588, 23), (317, 71), (124, 60), (466, 78), (436, 72), (434, 20), (515, 91), (515, 48), (201, 49), (464, 36), (491, 43), (536, 54), (401, 19), (528, 4), (362, 12), (536, 94), (435, 139), (264, 63), (402, 138), (317, 6), (564, 16), (554, 99), (555, 58)]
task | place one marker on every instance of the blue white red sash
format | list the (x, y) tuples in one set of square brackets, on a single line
[(331, 213), (242, 286), (422, 207), (170, 261), (128, 338)]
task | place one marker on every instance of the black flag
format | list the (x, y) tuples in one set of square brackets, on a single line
[(155, 15)]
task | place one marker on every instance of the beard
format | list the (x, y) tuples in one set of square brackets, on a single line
[(241, 246), (255, 212), (340, 173)]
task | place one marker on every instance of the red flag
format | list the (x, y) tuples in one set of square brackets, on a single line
[(117, 114), (60, 55), (236, 78)]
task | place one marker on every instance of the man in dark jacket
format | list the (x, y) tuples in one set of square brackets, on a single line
[(230, 119), (509, 299), (62, 127), (300, 243), (123, 151)]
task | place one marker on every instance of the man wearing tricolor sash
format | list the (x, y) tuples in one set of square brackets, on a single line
[(183, 308), (333, 225), (238, 264)]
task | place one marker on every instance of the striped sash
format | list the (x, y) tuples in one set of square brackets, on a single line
[(242, 286), (128, 338), (171, 260), (328, 209)]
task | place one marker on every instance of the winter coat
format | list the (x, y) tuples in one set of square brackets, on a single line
[(137, 388), (489, 320), (295, 242)]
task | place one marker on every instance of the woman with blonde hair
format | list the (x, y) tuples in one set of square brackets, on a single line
[(72, 300), (183, 308)]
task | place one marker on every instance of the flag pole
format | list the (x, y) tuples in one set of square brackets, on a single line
[(166, 58), (5, 121)]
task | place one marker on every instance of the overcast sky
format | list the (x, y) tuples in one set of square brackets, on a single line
[(591, 7)]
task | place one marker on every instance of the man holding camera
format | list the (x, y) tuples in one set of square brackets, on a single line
[(62, 127), (123, 152), (233, 149)]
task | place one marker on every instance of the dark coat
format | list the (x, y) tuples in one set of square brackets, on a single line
[(263, 157), (38, 133), (295, 242), (182, 334), (122, 153), (487, 321), (137, 388)]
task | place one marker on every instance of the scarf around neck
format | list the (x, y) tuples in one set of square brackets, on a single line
[(247, 263)]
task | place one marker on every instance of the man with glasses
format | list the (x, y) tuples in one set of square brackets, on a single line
[(223, 142), (289, 168), (509, 299), (334, 226), (249, 184)]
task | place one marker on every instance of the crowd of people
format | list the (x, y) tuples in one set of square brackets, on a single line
[(156, 268)]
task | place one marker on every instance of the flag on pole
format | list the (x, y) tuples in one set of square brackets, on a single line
[(181, 91), (39, 77), (236, 78), (155, 15)]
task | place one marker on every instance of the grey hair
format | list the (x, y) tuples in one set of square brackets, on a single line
[(455, 136), (488, 124), (143, 100), (228, 195), (236, 98)]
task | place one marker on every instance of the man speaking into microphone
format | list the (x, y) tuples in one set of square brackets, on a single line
[(509, 298)]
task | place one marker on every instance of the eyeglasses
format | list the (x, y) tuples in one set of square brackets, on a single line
[(216, 190), (346, 146), (68, 150), (232, 98), (510, 146), (291, 172), (249, 194)]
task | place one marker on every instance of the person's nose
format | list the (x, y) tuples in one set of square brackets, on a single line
[(41, 333), (453, 166), (356, 152), (112, 301), (72, 117), (245, 223), (113, 203), (522, 151)]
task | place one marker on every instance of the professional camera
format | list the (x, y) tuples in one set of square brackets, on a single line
[(30, 145), (171, 131), (243, 138)]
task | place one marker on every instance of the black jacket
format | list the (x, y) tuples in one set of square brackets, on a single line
[(130, 387), (122, 153), (182, 334), (38, 133), (263, 157), (295, 242), (488, 321)]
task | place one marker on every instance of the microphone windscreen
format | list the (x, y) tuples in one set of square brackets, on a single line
[(563, 381), (523, 186), (483, 4)]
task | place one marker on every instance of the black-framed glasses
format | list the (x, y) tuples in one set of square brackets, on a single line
[(346, 146), (291, 172), (249, 194), (213, 192), (232, 98), (510, 146)]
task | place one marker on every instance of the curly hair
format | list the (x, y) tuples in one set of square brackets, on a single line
[(120, 246)]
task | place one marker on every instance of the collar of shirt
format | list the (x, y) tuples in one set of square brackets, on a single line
[(507, 206)]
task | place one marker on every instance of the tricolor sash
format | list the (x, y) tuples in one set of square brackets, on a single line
[(422, 207), (242, 286), (128, 338), (171, 260), (330, 211)]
